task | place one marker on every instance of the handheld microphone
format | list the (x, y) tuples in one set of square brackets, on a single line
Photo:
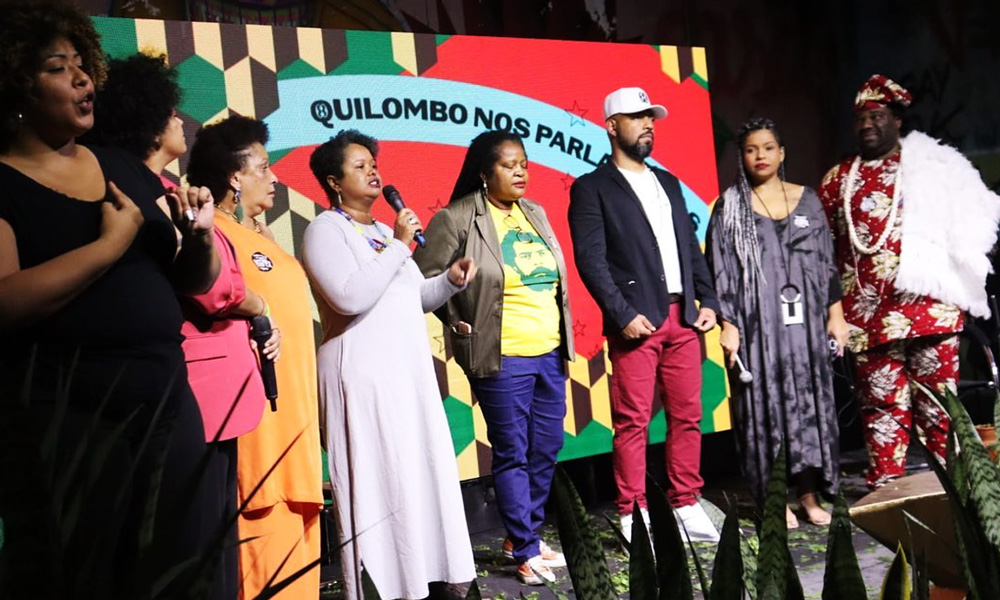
[(261, 327), (396, 202), (745, 376)]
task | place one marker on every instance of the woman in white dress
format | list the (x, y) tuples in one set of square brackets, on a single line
[(395, 479)]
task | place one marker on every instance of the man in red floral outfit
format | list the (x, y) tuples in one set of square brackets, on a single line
[(907, 273)]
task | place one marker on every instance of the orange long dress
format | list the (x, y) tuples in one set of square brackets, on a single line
[(284, 513)]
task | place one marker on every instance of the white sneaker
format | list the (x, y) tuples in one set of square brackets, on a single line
[(695, 524), (534, 572), (626, 523), (552, 558)]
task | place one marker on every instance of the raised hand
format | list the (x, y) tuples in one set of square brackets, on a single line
[(191, 209), (462, 271)]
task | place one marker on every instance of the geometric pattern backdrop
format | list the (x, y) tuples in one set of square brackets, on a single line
[(424, 97)]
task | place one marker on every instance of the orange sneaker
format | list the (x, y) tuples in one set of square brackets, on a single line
[(507, 547), (534, 572), (550, 557)]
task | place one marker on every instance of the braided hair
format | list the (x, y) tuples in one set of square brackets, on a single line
[(737, 209)]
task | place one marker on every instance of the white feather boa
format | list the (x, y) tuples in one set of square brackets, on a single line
[(949, 225)]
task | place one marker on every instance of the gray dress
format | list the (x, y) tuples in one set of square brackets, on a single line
[(791, 395)]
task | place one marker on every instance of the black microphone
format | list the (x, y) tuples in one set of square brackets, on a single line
[(261, 327), (396, 202)]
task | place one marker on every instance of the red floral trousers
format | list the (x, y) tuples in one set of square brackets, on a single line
[(892, 403)]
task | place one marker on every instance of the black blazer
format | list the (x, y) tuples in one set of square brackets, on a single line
[(617, 255)]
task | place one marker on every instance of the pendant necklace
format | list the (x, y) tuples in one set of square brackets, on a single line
[(792, 312)]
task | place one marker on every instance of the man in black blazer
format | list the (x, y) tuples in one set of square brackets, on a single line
[(639, 257)]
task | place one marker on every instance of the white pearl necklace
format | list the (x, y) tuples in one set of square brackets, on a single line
[(850, 187)]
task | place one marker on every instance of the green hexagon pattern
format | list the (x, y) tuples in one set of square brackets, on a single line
[(204, 88)]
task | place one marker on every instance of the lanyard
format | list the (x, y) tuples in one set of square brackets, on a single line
[(376, 244)]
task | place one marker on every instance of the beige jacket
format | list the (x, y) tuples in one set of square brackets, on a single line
[(465, 228)]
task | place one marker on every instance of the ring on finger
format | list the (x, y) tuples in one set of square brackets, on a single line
[(190, 214), (413, 221)]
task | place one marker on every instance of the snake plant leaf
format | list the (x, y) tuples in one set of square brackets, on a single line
[(557, 592), (616, 528), (588, 569), (842, 579), (981, 572), (641, 566), (368, 590), (474, 593), (922, 582), (748, 551), (896, 585), (671, 558), (702, 580), (983, 475), (275, 587), (793, 586), (957, 471), (996, 408), (727, 572), (771, 587), (772, 558)]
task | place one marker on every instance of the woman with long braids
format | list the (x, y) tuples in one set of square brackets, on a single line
[(772, 258)]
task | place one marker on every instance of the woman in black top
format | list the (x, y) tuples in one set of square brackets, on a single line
[(93, 382)]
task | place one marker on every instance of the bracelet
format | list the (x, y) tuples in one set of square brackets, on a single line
[(267, 309)]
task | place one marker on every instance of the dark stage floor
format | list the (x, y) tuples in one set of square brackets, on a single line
[(496, 574)]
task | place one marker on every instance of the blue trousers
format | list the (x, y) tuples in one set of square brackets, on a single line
[(524, 406)]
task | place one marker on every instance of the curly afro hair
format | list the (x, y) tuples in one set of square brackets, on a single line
[(135, 105), (328, 158), (27, 27), (221, 149)]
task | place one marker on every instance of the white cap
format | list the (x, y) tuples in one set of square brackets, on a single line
[(629, 101)]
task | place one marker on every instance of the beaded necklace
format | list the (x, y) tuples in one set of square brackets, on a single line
[(850, 186), (376, 244), (868, 291)]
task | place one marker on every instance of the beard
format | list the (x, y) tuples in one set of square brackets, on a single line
[(638, 150), (541, 278)]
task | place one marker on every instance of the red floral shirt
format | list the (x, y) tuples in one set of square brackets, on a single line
[(876, 311)]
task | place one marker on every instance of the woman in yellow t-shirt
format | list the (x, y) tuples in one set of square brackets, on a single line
[(510, 331)]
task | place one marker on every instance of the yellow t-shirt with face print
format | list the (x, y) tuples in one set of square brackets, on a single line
[(530, 321)]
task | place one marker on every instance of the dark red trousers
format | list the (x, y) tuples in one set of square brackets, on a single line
[(672, 357)]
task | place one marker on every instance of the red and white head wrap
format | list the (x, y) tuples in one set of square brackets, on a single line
[(879, 91)]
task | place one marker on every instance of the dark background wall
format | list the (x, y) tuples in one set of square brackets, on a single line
[(799, 63)]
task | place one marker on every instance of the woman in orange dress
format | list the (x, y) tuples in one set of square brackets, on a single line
[(283, 514)]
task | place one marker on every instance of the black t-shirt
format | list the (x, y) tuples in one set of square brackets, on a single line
[(131, 310)]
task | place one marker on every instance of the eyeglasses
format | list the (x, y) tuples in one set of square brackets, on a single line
[(522, 236)]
